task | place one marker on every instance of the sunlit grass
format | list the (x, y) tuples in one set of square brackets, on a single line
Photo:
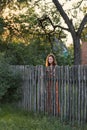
[(12, 118)]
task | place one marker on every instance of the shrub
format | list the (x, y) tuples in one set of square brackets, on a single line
[(10, 82)]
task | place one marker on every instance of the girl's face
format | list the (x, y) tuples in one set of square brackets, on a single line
[(50, 59)]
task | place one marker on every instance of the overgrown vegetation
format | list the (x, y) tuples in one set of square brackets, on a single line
[(12, 118), (34, 53), (10, 82)]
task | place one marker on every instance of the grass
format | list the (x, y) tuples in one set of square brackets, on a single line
[(12, 118)]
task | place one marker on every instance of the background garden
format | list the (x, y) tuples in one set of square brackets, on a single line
[(28, 33)]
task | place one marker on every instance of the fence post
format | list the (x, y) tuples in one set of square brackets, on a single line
[(72, 83)]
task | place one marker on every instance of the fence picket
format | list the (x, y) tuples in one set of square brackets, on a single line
[(72, 91)]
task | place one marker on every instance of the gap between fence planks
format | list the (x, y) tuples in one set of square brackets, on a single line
[(72, 86)]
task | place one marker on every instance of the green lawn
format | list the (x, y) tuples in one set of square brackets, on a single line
[(12, 118)]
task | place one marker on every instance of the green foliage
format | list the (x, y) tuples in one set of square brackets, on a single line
[(21, 54), (25, 28), (64, 57), (15, 53), (12, 118), (65, 60), (84, 34), (10, 82), (19, 26), (34, 53)]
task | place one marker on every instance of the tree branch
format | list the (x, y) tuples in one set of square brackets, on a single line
[(55, 26), (3, 4), (84, 21), (66, 29), (76, 6), (64, 15), (41, 20)]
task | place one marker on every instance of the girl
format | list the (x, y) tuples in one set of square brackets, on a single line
[(52, 85)]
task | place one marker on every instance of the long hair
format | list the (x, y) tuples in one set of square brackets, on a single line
[(54, 60)]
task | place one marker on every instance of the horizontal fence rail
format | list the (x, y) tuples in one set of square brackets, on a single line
[(61, 92)]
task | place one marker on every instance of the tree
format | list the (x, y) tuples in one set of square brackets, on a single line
[(19, 22), (76, 34), (75, 30), (3, 4)]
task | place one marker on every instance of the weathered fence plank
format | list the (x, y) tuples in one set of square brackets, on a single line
[(71, 102)]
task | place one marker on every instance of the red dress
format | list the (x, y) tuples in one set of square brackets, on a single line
[(52, 91)]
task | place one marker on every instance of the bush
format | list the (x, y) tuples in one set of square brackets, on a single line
[(10, 82)]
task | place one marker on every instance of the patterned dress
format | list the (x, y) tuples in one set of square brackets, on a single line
[(52, 105)]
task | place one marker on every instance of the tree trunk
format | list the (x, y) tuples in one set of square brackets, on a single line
[(76, 35), (77, 50)]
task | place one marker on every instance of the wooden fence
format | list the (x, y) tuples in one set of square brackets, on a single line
[(72, 91)]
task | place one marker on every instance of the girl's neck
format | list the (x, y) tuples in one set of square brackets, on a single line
[(51, 65)]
